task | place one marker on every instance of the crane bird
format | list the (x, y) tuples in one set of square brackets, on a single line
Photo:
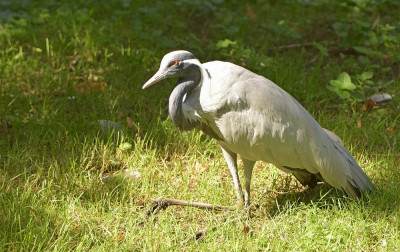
[(250, 116)]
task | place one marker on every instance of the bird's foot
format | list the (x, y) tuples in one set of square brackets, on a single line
[(202, 233), (157, 205), (163, 203)]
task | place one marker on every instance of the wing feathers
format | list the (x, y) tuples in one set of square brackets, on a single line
[(356, 181), (258, 120)]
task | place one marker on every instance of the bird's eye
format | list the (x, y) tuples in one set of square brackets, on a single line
[(175, 63)]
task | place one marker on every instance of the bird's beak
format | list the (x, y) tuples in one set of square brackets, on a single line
[(156, 78)]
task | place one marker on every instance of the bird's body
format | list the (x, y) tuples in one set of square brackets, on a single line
[(258, 120), (252, 117)]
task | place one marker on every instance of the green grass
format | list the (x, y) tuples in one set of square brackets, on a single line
[(65, 65)]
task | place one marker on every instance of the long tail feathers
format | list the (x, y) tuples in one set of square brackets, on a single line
[(357, 181)]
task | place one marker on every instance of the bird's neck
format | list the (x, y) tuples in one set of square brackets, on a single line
[(184, 86)]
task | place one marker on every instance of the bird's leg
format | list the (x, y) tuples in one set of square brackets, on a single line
[(231, 160), (248, 170)]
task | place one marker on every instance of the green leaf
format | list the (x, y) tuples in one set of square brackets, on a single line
[(366, 75), (368, 51), (335, 83), (323, 50), (343, 94), (225, 43), (344, 78), (332, 88), (348, 86), (345, 82), (125, 146), (357, 95), (369, 82)]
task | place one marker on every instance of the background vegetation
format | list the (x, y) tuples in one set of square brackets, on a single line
[(72, 112)]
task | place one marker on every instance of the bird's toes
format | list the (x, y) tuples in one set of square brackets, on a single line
[(200, 234), (156, 206)]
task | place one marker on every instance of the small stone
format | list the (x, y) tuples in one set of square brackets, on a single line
[(129, 173), (126, 174), (382, 97)]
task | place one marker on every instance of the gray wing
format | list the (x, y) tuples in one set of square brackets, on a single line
[(334, 137), (260, 121)]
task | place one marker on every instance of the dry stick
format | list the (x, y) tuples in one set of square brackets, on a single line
[(306, 44), (163, 203), (294, 45)]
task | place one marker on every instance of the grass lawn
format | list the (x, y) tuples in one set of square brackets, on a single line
[(72, 112)]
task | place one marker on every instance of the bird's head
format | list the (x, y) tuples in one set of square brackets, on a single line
[(174, 64)]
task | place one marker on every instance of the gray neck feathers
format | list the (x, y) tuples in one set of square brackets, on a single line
[(185, 85)]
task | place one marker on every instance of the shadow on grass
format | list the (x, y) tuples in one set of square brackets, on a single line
[(284, 200)]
